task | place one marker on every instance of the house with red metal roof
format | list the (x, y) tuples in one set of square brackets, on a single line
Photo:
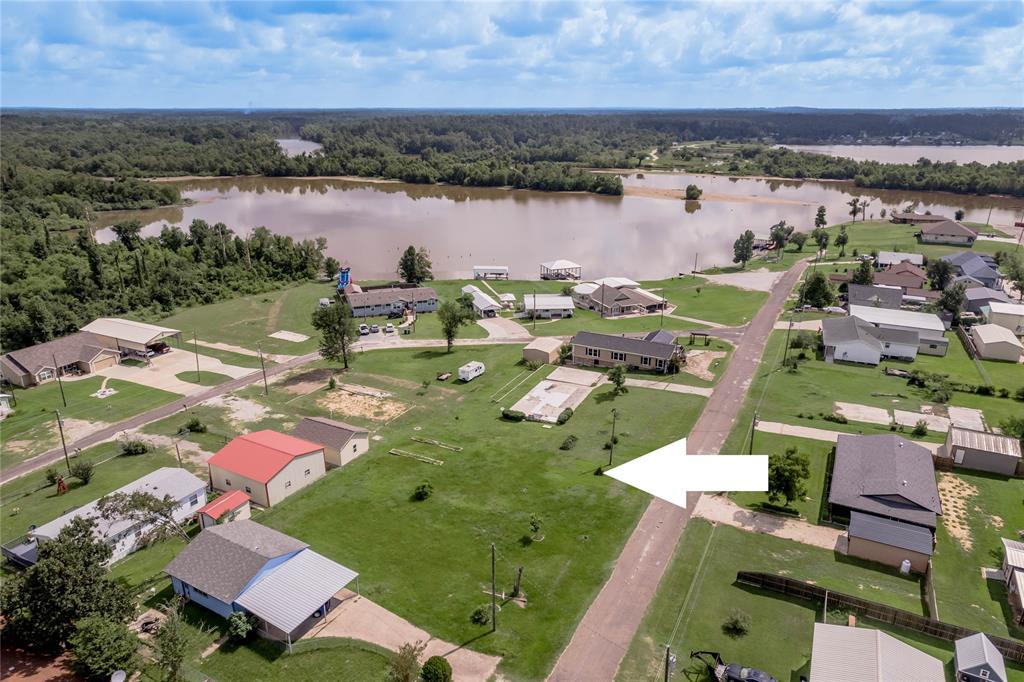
[(230, 506), (267, 466)]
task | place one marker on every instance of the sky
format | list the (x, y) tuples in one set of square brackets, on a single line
[(188, 54)]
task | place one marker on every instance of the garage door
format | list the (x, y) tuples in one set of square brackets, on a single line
[(101, 363)]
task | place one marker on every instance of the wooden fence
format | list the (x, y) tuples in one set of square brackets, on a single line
[(1011, 649)]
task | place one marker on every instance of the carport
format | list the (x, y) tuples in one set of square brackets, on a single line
[(129, 335)]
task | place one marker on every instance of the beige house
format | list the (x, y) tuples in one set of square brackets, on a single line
[(1007, 315), (342, 442), (267, 466), (888, 541), (590, 349), (947, 232), (996, 343), (73, 355), (542, 350)]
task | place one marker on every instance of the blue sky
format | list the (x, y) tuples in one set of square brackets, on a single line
[(490, 54)]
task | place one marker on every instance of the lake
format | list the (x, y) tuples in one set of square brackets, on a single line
[(367, 224), (294, 147), (985, 154)]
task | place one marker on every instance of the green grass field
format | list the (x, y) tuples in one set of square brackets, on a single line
[(699, 298), (204, 378), (32, 428), (339, 659), (230, 357), (817, 453), (882, 235), (591, 321)]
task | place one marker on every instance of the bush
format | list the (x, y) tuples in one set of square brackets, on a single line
[(422, 491), (920, 428), (982, 389), (82, 470), (512, 415), (481, 615), (101, 647), (333, 383), (835, 418), (569, 443), (51, 476), (1004, 393), (737, 624), (1019, 394), (134, 447), (804, 339), (565, 416), (240, 626), (194, 425), (436, 669), (532, 365)]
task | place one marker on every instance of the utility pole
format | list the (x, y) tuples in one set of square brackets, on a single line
[(753, 425), (63, 443), (60, 382), (195, 347), (177, 452), (535, 309), (494, 591), (611, 450), (785, 351), (694, 273), (669, 662), (266, 389)]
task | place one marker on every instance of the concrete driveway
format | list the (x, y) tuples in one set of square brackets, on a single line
[(504, 328), (161, 371)]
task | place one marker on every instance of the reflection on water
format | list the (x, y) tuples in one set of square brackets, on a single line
[(368, 224), (985, 154)]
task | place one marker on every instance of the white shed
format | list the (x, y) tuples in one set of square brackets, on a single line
[(1009, 315), (996, 343)]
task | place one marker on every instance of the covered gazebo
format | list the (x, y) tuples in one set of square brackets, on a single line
[(561, 269)]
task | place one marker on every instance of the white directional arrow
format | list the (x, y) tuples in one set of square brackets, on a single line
[(669, 473)]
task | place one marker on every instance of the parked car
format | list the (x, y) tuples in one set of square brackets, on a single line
[(160, 348), (363, 330), (395, 314), (374, 328), (389, 328), (737, 673)]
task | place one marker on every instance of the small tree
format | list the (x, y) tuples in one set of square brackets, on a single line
[(842, 239), (338, 332), (799, 239), (170, 643), (787, 475), (240, 626), (331, 266), (737, 624), (920, 428), (134, 447), (565, 353), (144, 509), (51, 476), (854, 205), (959, 215), (617, 375), (819, 219), (693, 192), (100, 647), (821, 238), (436, 669), (780, 234), (952, 299), (414, 266), (817, 291), (82, 469), (452, 316), (405, 664), (743, 248), (864, 274), (940, 272)]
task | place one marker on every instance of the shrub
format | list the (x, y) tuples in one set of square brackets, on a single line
[(240, 626), (194, 425), (481, 615), (422, 491), (565, 415), (82, 470), (134, 447), (513, 415), (804, 339), (101, 647), (404, 666), (1019, 393), (436, 669), (835, 418), (569, 443), (533, 366), (920, 428), (1004, 393), (51, 476), (333, 383), (737, 624), (982, 389)]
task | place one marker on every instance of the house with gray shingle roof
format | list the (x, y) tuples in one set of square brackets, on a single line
[(590, 349), (850, 339), (978, 660), (947, 232), (979, 267), (78, 353), (875, 295)]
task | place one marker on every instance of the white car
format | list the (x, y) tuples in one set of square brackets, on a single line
[(363, 330), (389, 328)]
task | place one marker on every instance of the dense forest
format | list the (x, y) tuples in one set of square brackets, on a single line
[(55, 277)]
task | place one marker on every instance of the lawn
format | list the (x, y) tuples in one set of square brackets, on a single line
[(486, 493), (230, 357), (699, 298), (204, 379), (698, 592), (591, 321), (881, 235), (817, 453), (329, 657), (32, 428), (961, 367), (992, 510)]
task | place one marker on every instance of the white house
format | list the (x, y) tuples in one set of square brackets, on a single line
[(930, 329), (553, 306), (483, 305), (849, 339), (996, 343), (1008, 315)]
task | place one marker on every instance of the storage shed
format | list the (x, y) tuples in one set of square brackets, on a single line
[(230, 506), (888, 541), (342, 442), (978, 660), (267, 465), (996, 343), (543, 349), (982, 451)]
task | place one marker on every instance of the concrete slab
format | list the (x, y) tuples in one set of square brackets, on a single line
[(720, 509), (755, 280), (162, 370), (666, 386), (819, 434), (504, 328), (863, 413), (804, 325), (580, 377), (934, 421), (548, 399), (294, 337), (967, 418)]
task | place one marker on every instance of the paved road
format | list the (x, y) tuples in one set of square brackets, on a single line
[(607, 628)]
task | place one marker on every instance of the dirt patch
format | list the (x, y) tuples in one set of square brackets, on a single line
[(190, 452), (303, 383), (240, 410), (365, 406), (359, 389), (698, 363), (955, 495), (408, 383)]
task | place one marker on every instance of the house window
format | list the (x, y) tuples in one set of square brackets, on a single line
[(592, 352), (307, 472), (194, 500), (227, 481), (616, 355), (248, 490), (645, 361), (932, 345), (660, 364), (984, 673), (287, 484), (45, 374), (353, 447)]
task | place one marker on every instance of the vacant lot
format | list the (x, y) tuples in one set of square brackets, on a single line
[(817, 453), (881, 235), (697, 297)]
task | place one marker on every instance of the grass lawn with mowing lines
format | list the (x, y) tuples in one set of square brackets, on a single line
[(205, 378), (817, 453), (881, 235), (698, 592), (32, 428), (259, 659), (964, 597), (591, 321), (719, 303), (230, 357)]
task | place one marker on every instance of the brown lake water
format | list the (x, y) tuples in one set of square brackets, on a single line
[(367, 224), (985, 154)]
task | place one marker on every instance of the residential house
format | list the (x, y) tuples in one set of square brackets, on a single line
[(975, 298), (976, 659), (612, 302), (543, 350), (993, 342), (128, 336), (617, 283), (851, 654), (874, 295), (661, 336), (929, 328), (72, 355), (849, 339), (947, 232), (914, 218), (121, 535), (903, 275), (920, 297), (231, 506), (490, 272), (1007, 315), (1013, 577), (581, 293), (246, 567), (268, 466), (548, 306), (342, 442), (982, 451), (888, 258), (978, 267), (561, 269), (371, 302), (483, 304), (891, 480), (607, 350)]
